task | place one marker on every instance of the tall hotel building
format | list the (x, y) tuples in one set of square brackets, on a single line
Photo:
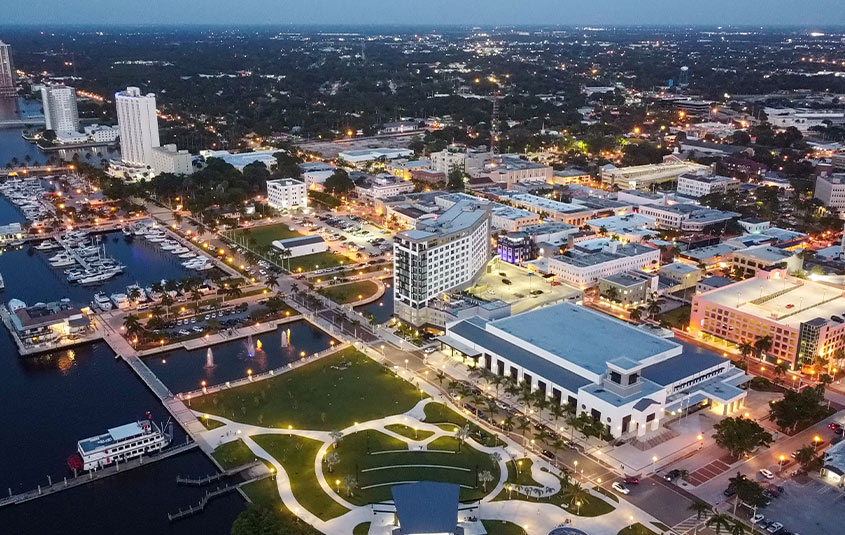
[(136, 117), (7, 71), (438, 256), (60, 111)]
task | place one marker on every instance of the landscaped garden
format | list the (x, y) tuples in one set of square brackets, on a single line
[(233, 454), (348, 293), (329, 394), (265, 235), (313, 262)]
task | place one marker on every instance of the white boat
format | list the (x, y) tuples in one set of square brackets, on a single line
[(119, 445), (126, 231), (188, 255), (64, 261), (97, 277), (2, 283), (169, 245), (46, 245), (121, 301), (102, 301), (202, 267), (156, 237), (179, 250), (142, 296)]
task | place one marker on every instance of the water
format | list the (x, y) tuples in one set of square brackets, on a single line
[(184, 370), (383, 308), (145, 264)]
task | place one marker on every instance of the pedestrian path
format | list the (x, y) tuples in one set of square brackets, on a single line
[(691, 523)]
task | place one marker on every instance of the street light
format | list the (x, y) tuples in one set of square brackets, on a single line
[(780, 463), (653, 464)]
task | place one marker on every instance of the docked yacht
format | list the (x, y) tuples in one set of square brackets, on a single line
[(46, 245), (121, 301), (119, 444), (97, 277), (102, 301), (62, 259)]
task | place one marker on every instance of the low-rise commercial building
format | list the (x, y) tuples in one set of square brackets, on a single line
[(169, 159), (359, 156), (752, 259), (516, 248), (286, 194), (688, 217), (301, 245), (645, 176), (830, 190), (692, 185), (583, 269), (242, 159), (10, 232), (628, 288), (382, 186), (621, 376), (45, 323), (510, 169)]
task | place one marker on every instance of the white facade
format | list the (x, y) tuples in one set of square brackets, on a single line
[(384, 186), (583, 270), (302, 245), (830, 190), (316, 179), (439, 256), (168, 159), (136, 117), (700, 185), (7, 71), (90, 134), (802, 119), (60, 111), (286, 193)]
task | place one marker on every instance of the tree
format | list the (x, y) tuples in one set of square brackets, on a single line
[(336, 436), (699, 507), (740, 436), (762, 345), (719, 522), (455, 180), (462, 434), (262, 520), (350, 482), (799, 409), (485, 477), (574, 493), (805, 457), (738, 528), (272, 282), (132, 325), (745, 349), (339, 183), (636, 314), (332, 459)]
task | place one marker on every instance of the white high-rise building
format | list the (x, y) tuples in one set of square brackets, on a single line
[(136, 117), (439, 256), (286, 193), (60, 111), (7, 71)]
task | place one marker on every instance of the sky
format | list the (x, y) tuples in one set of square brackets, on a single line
[(812, 13)]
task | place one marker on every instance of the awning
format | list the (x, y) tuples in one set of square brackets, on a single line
[(459, 346)]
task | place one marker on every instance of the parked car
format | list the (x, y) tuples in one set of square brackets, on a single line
[(672, 475), (774, 527), (757, 518), (766, 473), (619, 487), (834, 425), (631, 481), (728, 492), (548, 454)]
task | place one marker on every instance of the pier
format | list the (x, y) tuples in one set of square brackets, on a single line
[(93, 475), (211, 478)]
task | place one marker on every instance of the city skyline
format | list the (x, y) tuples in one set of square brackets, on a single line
[(438, 13)]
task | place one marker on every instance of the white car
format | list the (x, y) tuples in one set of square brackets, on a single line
[(767, 474), (619, 487), (774, 528), (757, 518)]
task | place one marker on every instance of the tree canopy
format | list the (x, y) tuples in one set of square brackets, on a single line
[(740, 435)]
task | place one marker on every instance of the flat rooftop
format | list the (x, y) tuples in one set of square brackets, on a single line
[(788, 301), (584, 337)]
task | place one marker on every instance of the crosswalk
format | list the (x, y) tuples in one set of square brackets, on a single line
[(688, 525)]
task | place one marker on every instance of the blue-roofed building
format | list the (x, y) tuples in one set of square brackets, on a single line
[(427, 508), (625, 377)]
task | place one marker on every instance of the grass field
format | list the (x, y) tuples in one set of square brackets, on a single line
[(409, 432), (502, 527), (357, 460), (211, 424), (331, 393), (676, 318), (348, 293), (313, 262), (266, 234), (233, 454), (361, 529), (297, 455), (636, 529), (263, 492), (446, 419)]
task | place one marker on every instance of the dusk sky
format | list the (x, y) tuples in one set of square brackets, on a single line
[(426, 12)]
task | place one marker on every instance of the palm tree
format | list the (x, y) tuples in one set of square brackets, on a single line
[(485, 477), (738, 528), (272, 282), (351, 484), (762, 345), (653, 307), (462, 434), (440, 376), (495, 457), (167, 301), (720, 521), (574, 493), (332, 459), (233, 291), (523, 425), (745, 349), (636, 314), (132, 326), (336, 436), (699, 507)]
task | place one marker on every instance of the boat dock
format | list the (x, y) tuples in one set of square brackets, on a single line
[(210, 495), (211, 478), (93, 475)]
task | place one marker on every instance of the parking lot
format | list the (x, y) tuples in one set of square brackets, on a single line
[(809, 507), (522, 288)]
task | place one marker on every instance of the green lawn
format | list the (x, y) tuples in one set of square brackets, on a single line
[(297, 455), (264, 235), (447, 419), (313, 262), (210, 423), (361, 452), (607, 493), (347, 293), (502, 527), (409, 432), (233, 454), (263, 492), (361, 529), (331, 393), (676, 318), (636, 529)]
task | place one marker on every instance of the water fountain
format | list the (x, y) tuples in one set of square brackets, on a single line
[(258, 344), (285, 337), (209, 359), (250, 346)]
